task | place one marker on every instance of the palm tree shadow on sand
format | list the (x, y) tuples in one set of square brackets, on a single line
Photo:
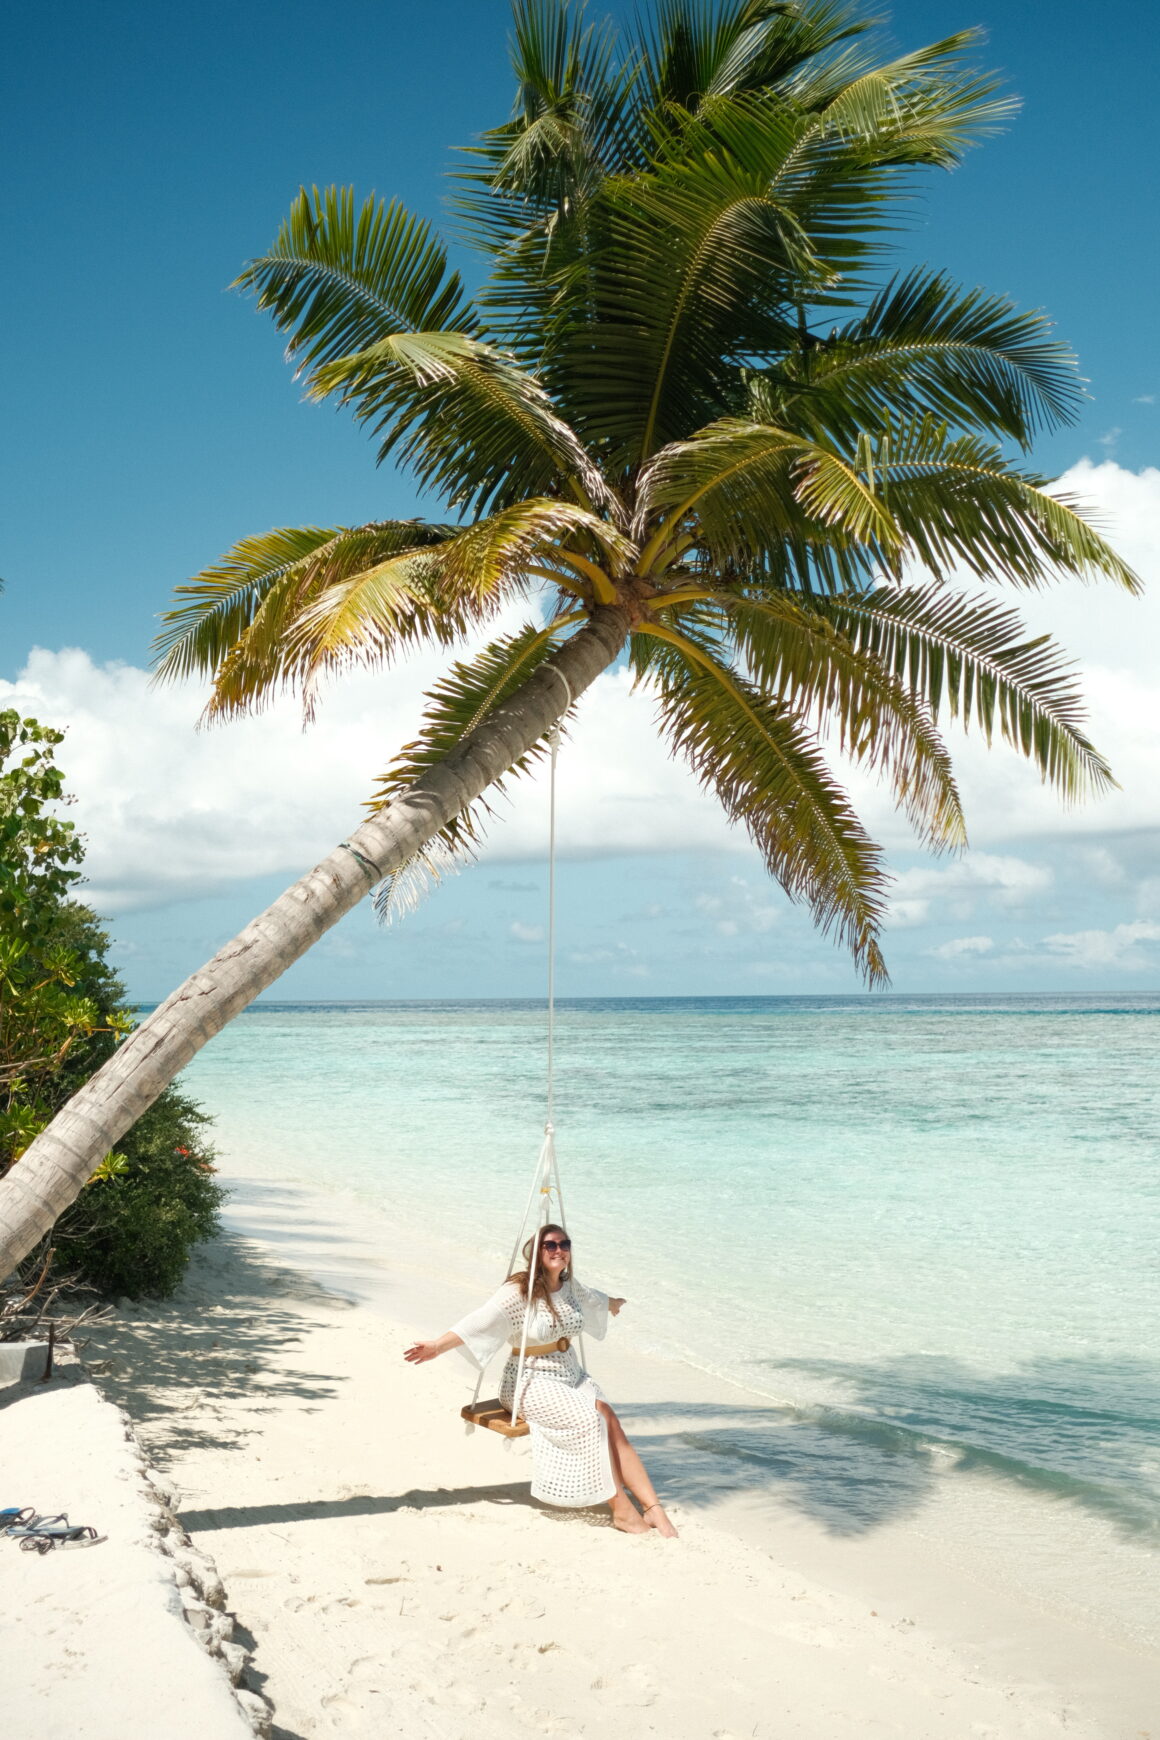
[(222, 1338), (1047, 1429)]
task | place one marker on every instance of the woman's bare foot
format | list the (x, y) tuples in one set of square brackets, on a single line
[(655, 1518), (627, 1518)]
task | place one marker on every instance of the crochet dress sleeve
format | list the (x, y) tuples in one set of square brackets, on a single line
[(484, 1332), (594, 1306)]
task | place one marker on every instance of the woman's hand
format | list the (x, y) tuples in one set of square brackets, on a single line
[(425, 1350), (615, 1304), (422, 1352)]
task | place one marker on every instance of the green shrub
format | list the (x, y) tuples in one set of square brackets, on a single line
[(130, 1231), (62, 1013)]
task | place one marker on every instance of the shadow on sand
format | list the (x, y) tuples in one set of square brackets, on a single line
[(171, 1364)]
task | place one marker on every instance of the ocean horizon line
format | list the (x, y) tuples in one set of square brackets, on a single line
[(1106, 1001)]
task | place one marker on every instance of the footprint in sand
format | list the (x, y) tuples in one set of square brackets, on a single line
[(634, 1686), (367, 1667), (343, 1711), (519, 1607)]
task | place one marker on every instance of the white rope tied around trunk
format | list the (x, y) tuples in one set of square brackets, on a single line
[(546, 1177)]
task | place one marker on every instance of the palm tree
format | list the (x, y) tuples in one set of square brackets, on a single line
[(688, 418)]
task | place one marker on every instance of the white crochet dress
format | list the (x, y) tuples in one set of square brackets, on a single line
[(569, 1435)]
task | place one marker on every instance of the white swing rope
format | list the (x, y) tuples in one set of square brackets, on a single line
[(546, 1178)]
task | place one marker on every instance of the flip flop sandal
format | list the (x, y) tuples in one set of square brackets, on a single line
[(13, 1517), (34, 1525), (59, 1533), (85, 1537)]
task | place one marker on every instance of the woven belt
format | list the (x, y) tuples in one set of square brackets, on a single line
[(560, 1346)]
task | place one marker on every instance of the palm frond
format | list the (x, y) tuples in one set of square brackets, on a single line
[(694, 52), (457, 705), (959, 505), (690, 267), (363, 618), (765, 768), (742, 488), (219, 604), (925, 345), (570, 127), (340, 277), (801, 657), (218, 608), (533, 537), (470, 421), (973, 657), (926, 107)]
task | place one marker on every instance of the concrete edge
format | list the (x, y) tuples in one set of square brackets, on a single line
[(202, 1593), (22, 1362)]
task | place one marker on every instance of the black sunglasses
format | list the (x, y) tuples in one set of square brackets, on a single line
[(556, 1244)]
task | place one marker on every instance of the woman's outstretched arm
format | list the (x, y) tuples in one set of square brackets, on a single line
[(422, 1351)]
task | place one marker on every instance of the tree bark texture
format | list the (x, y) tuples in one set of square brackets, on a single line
[(61, 1160)]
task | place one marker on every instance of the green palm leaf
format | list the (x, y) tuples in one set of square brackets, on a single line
[(802, 657), (926, 107), (553, 540), (691, 266), (766, 770), (694, 52), (973, 657), (742, 489), (269, 574), (925, 345), (340, 277), (569, 129), (958, 505), (471, 423), (456, 706)]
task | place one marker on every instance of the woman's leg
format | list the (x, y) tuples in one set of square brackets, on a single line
[(624, 1513), (628, 1470)]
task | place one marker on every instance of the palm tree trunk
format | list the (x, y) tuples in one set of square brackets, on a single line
[(57, 1165)]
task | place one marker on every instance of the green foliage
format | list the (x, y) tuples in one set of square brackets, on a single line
[(48, 1009), (130, 1232), (691, 386), (61, 1015)]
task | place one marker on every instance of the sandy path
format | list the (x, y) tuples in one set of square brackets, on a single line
[(397, 1578)]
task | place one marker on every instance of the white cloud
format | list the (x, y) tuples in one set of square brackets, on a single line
[(619, 957), (1003, 881), (527, 933), (962, 947), (742, 907), (1120, 947)]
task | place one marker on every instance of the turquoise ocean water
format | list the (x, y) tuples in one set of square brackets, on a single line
[(924, 1228)]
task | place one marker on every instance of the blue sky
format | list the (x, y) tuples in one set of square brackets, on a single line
[(150, 420)]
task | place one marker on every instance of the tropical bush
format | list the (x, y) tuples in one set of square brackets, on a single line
[(62, 1012)]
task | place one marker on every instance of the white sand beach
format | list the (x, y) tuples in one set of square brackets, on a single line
[(396, 1577)]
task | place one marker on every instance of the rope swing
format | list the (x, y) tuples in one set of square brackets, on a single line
[(546, 1176)]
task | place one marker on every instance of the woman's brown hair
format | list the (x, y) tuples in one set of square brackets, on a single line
[(540, 1285)]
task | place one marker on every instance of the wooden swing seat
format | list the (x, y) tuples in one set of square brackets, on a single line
[(495, 1417)]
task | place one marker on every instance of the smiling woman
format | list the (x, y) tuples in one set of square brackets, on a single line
[(581, 1454)]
